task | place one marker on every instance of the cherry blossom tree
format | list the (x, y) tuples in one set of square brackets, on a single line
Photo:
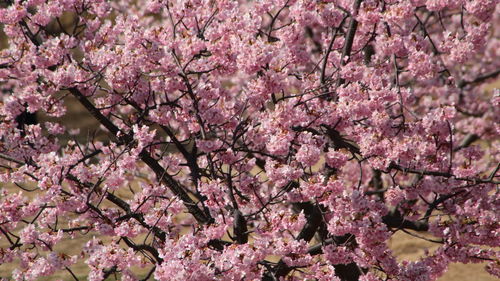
[(249, 140)]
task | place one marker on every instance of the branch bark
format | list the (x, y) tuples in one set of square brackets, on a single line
[(160, 172), (349, 40)]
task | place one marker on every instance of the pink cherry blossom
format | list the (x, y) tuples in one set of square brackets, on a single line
[(248, 140)]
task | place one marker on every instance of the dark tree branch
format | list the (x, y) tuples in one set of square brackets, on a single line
[(468, 140), (314, 219), (438, 174), (479, 79), (143, 247), (349, 39), (240, 228), (395, 220), (160, 172)]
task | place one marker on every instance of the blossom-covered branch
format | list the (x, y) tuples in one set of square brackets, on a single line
[(248, 140)]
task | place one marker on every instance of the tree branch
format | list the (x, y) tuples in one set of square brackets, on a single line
[(349, 40), (479, 79), (160, 172)]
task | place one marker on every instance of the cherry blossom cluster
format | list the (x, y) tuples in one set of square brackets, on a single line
[(249, 140)]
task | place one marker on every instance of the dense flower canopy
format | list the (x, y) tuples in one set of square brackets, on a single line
[(257, 140)]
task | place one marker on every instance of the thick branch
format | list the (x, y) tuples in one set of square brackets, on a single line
[(468, 140), (160, 172), (395, 220), (349, 40), (314, 219)]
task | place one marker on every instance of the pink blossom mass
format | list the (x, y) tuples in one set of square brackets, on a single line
[(262, 140)]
